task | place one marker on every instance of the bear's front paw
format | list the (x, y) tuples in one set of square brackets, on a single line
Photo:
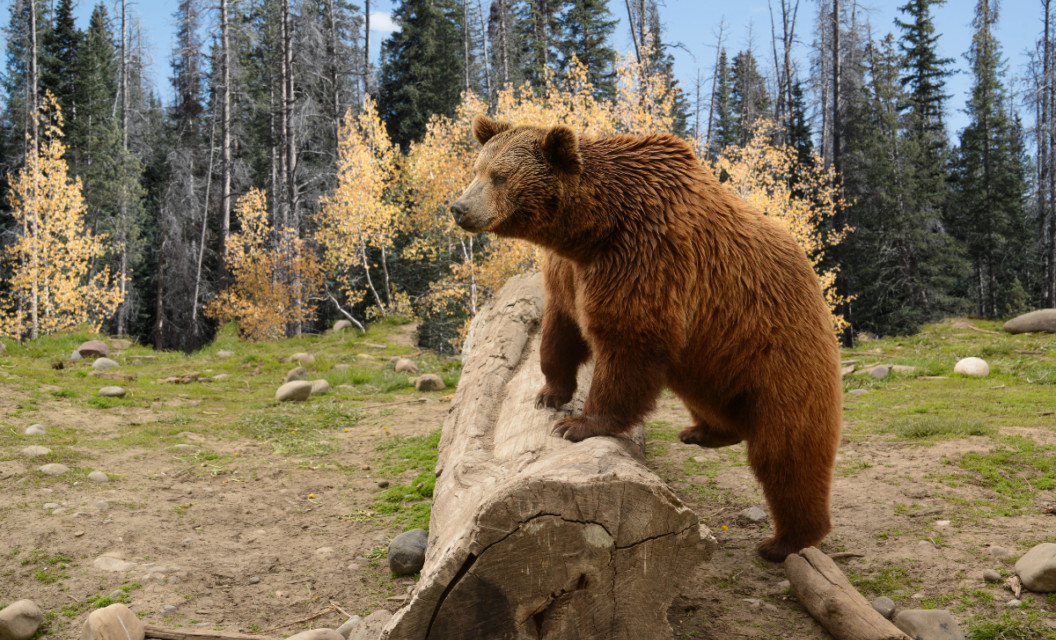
[(550, 398), (583, 427)]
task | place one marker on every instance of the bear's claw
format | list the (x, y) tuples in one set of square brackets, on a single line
[(550, 399)]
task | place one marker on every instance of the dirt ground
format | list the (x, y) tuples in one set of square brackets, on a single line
[(266, 540)]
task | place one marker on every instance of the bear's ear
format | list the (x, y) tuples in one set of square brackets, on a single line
[(561, 150), (484, 128)]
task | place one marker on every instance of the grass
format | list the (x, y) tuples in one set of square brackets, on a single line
[(406, 503), (299, 428), (885, 580), (1008, 627), (931, 427)]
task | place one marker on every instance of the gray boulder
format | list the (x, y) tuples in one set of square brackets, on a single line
[(884, 606), (880, 371), (20, 620), (1037, 568), (54, 469), (93, 349), (116, 622), (342, 325), (928, 624), (349, 625), (298, 373), (112, 392), (403, 365), (1041, 321), (36, 430), (429, 382), (972, 367), (753, 515), (320, 387), (297, 391), (76, 356), (407, 552), (104, 363), (98, 476), (370, 628), (303, 358), (35, 451)]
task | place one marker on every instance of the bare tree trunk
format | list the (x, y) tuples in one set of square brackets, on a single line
[(504, 34), (159, 301), (836, 58), (366, 49), (123, 213), (34, 215), (714, 83), (291, 134), (465, 45), (205, 220), (634, 36), (225, 149), (1047, 186), (484, 40)]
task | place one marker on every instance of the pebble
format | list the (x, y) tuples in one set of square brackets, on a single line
[(102, 506), (20, 620), (857, 392), (998, 552), (755, 515), (406, 554), (297, 373), (254, 580), (928, 624), (320, 387), (1037, 568), (58, 512), (880, 371), (114, 595), (403, 365), (221, 376), (113, 565), (429, 382), (303, 358), (347, 627), (884, 606), (991, 576), (35, 451), (54, 469), (324, 551), (972, 367), (297, 391), (98, 476), (51, 505), (1014, 604), (183, 446), (111, 623), (36, 430), (112, 392), (382, 484), (104, 363), (168, 609), (941, 523)]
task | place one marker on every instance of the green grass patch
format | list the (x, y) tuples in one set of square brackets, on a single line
[(298, 428), (932, 427), (1009, 627), (407, 503), (885, 581), (1016, 471)]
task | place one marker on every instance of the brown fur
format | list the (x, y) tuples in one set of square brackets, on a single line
[(665, 277)]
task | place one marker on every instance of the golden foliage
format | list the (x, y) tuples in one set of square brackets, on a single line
[(763, 174), (275, 276), (53, 286)]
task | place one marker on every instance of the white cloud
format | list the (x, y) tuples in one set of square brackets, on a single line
[(381, 21)]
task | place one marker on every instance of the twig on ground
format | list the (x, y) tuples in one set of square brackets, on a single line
[(312, 617)]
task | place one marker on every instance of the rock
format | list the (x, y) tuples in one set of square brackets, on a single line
[(320, 387), (254, 580), (407, 552), (221, 376), (20, 620), (972, 367), (991, 576), (112, 392), (93, 349), (104, 363), (102, 506), (303, 358), (884, 606), (371, 626), (880, 371), (383, 484), (1014, 603), (113, 565), (112, 375), (348, 626), (429, 382), (51, 505), (300, 373), (35, 451), (116, 594), (36, 430), (898, 368), (116, 622), (121, 344), (168, 609), (54, 469), (858, 392), (224, 354), (294, 391), (324, 551), (339, 326), (403, 365), (941, 524), (928, 624), (1041, 321), (1037, 568), (846, 371), (76, 356), (753, 515), (141, 359), (998, 552), (98, 476), (317, 634), (784, 584)]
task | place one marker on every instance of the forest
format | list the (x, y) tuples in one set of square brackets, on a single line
[(291, 181)]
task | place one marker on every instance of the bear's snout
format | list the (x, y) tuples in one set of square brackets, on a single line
[(459, 210)]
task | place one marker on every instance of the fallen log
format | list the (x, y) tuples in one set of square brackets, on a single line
[(161, 633), (532, 536), (825, 592)]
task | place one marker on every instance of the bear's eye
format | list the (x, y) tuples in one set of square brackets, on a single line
[(498, 181)]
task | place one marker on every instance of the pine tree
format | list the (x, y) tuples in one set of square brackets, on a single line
[(540, 33), (989, 187), (421, 70), (586, 29), (749, 98), (800, 136), (94, 90), (727, 131), (58, 72)]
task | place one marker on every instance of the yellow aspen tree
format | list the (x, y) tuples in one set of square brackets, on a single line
[(275, 276), (52, 287), (763, 174), (359, 215)]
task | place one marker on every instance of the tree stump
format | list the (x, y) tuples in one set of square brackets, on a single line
[(532, 536)]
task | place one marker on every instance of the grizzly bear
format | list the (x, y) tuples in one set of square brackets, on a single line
[(665, 277)]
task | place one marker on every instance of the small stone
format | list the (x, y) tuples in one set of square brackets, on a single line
[(77, 534), (347, 627), (403, 365), (113, 565), (407, 552), (54, 469), (858, 392), (254, 580), (51, 505), (168, 609), (324, 551), (320, 387), (183, 446), (98, 476), (36, 451), (990, 575), (58, 512), (365, 356), (104, 363), (880, 371), (76, 356), (998, 552), (339, 326), (20, 620), (972, 367), (112, 392), (1037, 568), (884, 606), (297, 373), (430, 382), (116, 594), (303, 358), (754, 515), (317, 634), (370, 627), (928, 624), (784, 584), (116, 622), (121, 344), (93, 349), (383, 483), (294, 391), (102, 506), (1014, 603), (365, 467), (224, 354), (221, 376), (36, 430), (898, 592), (941, 523)]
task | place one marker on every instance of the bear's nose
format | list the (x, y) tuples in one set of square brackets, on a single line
[(459, 210)]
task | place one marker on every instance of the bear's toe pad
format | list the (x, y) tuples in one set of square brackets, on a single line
[(582, 427)]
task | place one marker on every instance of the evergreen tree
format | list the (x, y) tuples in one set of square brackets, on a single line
[(586, 29), (749, 98), (989, 186), (421, 69), (58, 71), (727, 131), (540, 34), (94, 89), (799, 133)]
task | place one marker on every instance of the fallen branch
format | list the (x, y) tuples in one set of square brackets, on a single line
[(846, 554), (926, 512), (974, 328), (312, 617), (151, 631), (345, 313)]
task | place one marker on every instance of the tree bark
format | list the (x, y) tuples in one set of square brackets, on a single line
[(484, 41), (225, 149), (532, 536), (366, 50), (824, 591)]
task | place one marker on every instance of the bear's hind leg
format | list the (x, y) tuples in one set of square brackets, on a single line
[(706, 435), (562, 350)]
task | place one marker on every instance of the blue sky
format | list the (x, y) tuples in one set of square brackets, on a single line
[(694, 23)]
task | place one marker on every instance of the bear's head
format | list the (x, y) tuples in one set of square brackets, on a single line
[(521, 179)]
